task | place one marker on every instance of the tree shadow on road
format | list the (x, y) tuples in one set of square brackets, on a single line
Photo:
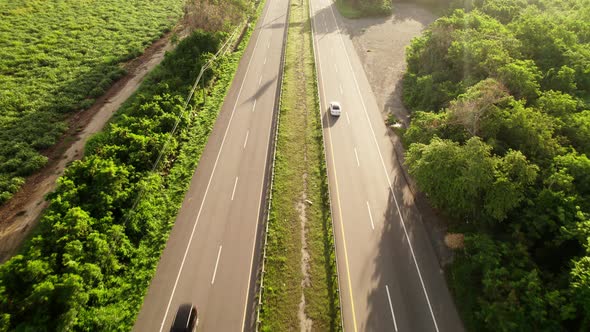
[(404, 258)]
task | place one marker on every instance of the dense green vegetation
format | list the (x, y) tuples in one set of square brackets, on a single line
[(92, 258), (55, 58), (499, 141), (300, 175), (363, 8)]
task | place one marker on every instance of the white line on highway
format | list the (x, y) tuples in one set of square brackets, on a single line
[(386, 174), (233, 192), (207, 189), (259, 80), (358, 163), (265, 60), (335, 68), (341, 91), (216, 263), (391, 307), (254, 106), (347, 118), (268, 45), (370, 216), (246, 140), (263, 169)]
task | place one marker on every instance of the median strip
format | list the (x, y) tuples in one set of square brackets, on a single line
[(300, 289)]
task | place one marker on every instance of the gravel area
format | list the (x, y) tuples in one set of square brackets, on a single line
[(380, 44)]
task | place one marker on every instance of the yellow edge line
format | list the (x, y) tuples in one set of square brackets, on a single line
[(342, 231), (340, 217), (318, 69)]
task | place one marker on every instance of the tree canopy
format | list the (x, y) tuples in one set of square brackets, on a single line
[(499, 141)]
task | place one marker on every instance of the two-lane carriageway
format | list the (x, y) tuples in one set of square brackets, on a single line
[(210, 259), (390, 279)]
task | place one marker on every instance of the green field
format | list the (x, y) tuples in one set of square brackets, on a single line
[(300, 178), (56, 56), (92, 257)]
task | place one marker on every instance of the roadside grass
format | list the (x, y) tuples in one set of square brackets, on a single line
[(98, 243), (347, 10), (55, 58), (300, 190), (375, 9)]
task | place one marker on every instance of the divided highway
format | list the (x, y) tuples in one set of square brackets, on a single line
[(210, 258), (390, 279)]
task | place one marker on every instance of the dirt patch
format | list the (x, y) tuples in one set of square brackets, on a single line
[(305, 323), (381, 44), (455, 241), (19, 216)]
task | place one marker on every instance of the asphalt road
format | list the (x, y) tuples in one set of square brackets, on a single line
[(390, 278), (209, 259)]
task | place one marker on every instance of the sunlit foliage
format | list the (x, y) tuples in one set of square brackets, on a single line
[(55, 58), (499, 141)]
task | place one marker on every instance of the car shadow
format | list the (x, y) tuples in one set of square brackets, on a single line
[(328, 121)]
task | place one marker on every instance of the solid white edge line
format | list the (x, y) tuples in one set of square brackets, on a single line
[(386, 174), (347, 118), (216, 264), (254, 105), (259, 206), (211, 178), (370, 216), (246, 140), (358, 163), (234, 191), (391, 307)]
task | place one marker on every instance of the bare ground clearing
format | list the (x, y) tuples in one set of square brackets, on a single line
[(381, 44)]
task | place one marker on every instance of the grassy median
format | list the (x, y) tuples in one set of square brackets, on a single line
[(300, 284)]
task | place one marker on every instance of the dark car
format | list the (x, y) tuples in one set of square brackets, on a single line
[(186, 318)]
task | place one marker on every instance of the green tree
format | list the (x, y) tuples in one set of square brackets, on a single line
[(512, 178), (557, 103), (522, 79), (452, 175), (513, 296), (577, 128), (529, 131), (580, 285)]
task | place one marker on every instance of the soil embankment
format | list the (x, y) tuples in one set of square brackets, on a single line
[(19, 216)]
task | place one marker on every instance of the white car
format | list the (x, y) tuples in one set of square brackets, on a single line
[(335, 108)]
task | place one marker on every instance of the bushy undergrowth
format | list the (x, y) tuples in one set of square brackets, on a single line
[(499, 141), (90, 262), (363, 8), (55, 58)]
